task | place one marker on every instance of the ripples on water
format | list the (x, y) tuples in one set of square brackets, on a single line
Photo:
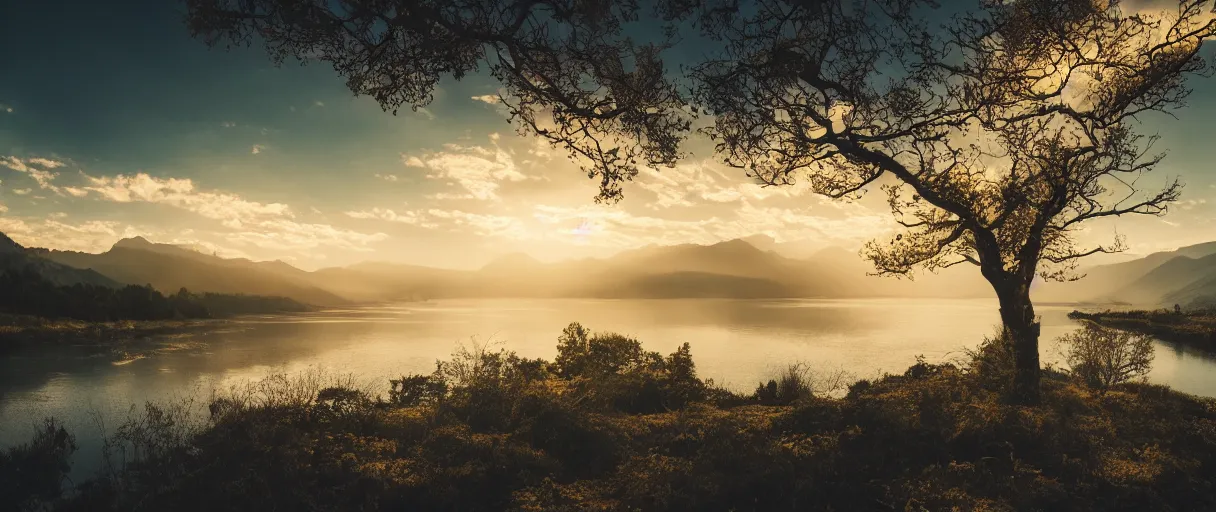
[(734, 342)]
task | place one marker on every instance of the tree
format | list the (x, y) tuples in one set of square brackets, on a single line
[(994, 130), (1103, 357)]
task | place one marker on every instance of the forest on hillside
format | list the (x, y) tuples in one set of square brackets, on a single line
[(26, 292)]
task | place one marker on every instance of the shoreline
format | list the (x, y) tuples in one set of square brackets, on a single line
[(19, 332), (1193, 329)]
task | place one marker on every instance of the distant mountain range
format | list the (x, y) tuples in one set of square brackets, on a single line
[(757, 267), (14, 257)]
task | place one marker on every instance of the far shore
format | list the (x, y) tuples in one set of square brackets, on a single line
[(18, 332)]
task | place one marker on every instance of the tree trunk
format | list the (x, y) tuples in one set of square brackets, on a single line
[(1017, 318)]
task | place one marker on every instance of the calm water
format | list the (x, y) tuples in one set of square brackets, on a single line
[(733, 342)]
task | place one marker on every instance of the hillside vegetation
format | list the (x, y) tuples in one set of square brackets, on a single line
[(27, 292), (608, 425), (1195, 328)]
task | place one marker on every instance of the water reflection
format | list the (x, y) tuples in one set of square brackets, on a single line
[(735, 342)]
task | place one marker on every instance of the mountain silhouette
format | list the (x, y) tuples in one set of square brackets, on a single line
[(14, 257), (753, 268), (169, 268)]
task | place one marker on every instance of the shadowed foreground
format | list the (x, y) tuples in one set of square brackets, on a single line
[(609, 426)]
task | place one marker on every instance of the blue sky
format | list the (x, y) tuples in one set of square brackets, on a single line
[(113, 123)]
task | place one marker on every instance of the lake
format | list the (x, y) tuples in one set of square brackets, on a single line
[(734, 342)]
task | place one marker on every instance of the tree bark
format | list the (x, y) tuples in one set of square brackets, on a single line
[(1017, 319)]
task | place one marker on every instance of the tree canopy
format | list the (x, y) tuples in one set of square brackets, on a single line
[(995, 128)]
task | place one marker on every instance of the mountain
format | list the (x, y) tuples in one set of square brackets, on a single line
[(734, 268), (14, 257), (753, 268), (1179, 280), (1145, 281), (169, 268)]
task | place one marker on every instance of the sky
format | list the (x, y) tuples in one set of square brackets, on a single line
[(115, 123)]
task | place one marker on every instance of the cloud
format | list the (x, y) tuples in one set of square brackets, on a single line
[(6, 109), (690, 184), (387, 177), (491, 99), (89, 236), (22, 191), (426, 113), (257, 148), (228, 124), (288, 235), (480, 171), (319, 103), (407, 217), (614, 227), (3, 208), (76, 192), (38, 169), (482, 224), (182, 193), (1190, 204)]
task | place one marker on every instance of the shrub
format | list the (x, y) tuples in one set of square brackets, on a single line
[(991, 364), (414, 390), (796, 382), (1102, 357), (580, 353), (33, 473)]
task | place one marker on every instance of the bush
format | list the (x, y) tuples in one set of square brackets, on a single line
[(582, 354), (414, 390), (1102, 357), (798, 382), (991, 364), (33, 473)]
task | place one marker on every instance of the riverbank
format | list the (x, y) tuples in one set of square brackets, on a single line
[(1193, 328), (609, 426), (22, 331)]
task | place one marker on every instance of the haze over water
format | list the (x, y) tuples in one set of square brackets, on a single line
[(734, 342)]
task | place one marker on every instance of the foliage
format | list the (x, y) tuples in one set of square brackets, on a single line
[(1103, 357), (992, 363), (932, 438), (34, 472), (25, 291), (997, 130), (1194, 327)]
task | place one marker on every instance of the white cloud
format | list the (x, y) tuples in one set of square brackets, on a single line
[(288, 235), (6, 109), (181, 193), (228, 124), (387, 177), (3, 208), (207, 247), (426, 113), (90, 236), (22, 191), (442, 196), (319, 103), (257, 148), (36, 168), (407, 217), (482, 224), (76, 192), (693, 183), (480, 171), (487, 98)]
